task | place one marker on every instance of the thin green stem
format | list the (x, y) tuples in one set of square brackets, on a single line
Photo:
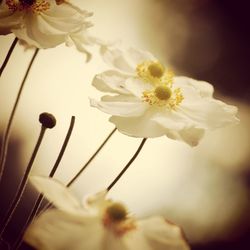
[(6, 136), (6, 60), (39, 200), (128, 164), (22, 185), (72, 181)]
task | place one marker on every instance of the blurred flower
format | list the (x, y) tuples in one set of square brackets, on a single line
[(45, 23), (100, 224), (148, 101)]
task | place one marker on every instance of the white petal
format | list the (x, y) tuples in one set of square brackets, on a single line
[(179, 127), (53, 26), (137, 86), (120, 106), (56, 193), (170, 119), (117, 58), (96, 202), (162, 235), (141, 126), (210, 113), (139, 56), (33, 35), (57, 230), (192, 135), (125, 60), (111, 81), (204, 89)]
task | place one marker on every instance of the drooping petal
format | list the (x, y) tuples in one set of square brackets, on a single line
[(179, 127), (124, 106), (191, 135), (162, 235), (142, 126), (57, 230), (209, 114), (56, 193), (111, 81)]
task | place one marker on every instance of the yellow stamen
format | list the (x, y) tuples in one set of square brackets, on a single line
[(40, 6)]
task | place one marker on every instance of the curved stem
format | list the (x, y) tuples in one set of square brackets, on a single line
[(5, 139), (65, 143), (13, 45), (39, 200), (85, 166), (128, 164), (91, 158), (22, 185)]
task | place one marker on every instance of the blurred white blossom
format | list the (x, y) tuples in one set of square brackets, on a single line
[(46, 23), (149, 101), (99, 224)]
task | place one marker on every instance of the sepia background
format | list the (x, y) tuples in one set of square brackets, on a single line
[(204, 189)]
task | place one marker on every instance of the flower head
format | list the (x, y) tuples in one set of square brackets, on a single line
[(45, 23), (99, 224), (149, 101)]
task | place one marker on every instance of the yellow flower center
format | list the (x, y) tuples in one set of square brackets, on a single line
[(156, 70), (162, 93), (116, 219), (37, 6)]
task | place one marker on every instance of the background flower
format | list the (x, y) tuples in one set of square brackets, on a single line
[(46, 23), (103, 224)]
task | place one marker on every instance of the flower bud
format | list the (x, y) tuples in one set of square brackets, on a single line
[(47, 120)]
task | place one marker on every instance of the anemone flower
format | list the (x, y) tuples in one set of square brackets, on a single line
[(99, 224), (145, 99)]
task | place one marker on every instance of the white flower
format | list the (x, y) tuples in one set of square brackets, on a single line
[(45, 23), (148, 101), (101, 225)]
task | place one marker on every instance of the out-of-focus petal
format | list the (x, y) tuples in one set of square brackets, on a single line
[(9, 19), (162, 235), (56, 230), (56, 193)]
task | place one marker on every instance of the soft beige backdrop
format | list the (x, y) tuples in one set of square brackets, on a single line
[(187, 185)]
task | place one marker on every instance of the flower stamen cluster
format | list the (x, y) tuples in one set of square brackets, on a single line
[(116, 219), (162, 93), (37, 6)]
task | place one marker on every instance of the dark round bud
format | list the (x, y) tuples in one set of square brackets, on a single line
[(47, 120)]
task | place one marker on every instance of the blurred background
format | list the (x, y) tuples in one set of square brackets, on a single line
[(204, 189)]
